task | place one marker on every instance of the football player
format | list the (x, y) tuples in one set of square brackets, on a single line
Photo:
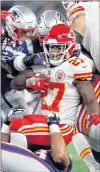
[(56, 159), (83, 13), (83, 18), (37, 135), (48, 19), (61, 87), (17, 28), (32, 46)]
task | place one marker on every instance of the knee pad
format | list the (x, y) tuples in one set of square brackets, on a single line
[(18, 139), (95, 132)]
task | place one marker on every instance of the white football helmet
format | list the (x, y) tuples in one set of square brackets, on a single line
[(47, 20), (21, 23)]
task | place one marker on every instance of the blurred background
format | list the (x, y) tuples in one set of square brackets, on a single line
[(37, 7)]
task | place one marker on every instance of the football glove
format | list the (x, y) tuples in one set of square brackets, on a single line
[(38, 82), (13, 113), (6, 124), (93, 119), (53, 119)]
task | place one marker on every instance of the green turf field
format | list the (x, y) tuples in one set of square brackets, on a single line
[(78, 164)]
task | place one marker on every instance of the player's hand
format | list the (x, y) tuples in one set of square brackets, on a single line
[(53, 119), (4, 14), (38, 82), (13, 113), (65, 3), (93, 119), (6, 124)]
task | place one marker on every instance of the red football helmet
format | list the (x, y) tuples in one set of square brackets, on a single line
[(59, 44)]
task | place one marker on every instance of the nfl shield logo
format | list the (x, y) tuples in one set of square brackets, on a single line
[(60, 75)]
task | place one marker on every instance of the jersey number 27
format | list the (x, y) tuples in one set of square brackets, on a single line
[(60, 87)]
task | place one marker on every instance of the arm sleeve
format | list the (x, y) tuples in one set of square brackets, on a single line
[(24, 61)]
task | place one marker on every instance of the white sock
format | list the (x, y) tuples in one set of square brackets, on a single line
[(84, 151)]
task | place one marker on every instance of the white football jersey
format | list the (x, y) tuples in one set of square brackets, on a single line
[(62, 97), (91, 37)]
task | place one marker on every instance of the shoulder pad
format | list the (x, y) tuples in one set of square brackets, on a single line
[(81, 69)]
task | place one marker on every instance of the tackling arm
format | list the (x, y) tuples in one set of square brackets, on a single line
[(24, 61), (19, 82), (59, 154), (58, 147)]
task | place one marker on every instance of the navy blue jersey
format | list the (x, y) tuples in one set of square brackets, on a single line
[(16, 153), (46, 157), (30, 46), (5, 81), (8, 53)]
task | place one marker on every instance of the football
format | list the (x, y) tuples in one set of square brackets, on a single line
[(19, 82)]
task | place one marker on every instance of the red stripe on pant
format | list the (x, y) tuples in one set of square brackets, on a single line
[(38, 139), (45, 139)]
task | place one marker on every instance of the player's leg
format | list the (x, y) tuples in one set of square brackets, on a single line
[(80, 143), (17, 159), (84, 151), (18, 139), (96, 156), (35, 128), (95, 147)]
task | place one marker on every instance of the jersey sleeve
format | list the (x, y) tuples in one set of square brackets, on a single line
[(81, 69), (26, 47)]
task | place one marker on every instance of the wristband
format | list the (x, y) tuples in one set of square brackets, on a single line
[(5, 129), (18, 63), (54, 128)]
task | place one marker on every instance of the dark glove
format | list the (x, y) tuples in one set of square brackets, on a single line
[(28, 60), (13, 113), (53, 119), (34, 59), (9, 60)]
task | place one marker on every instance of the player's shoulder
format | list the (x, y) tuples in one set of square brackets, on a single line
[(81, 68)]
